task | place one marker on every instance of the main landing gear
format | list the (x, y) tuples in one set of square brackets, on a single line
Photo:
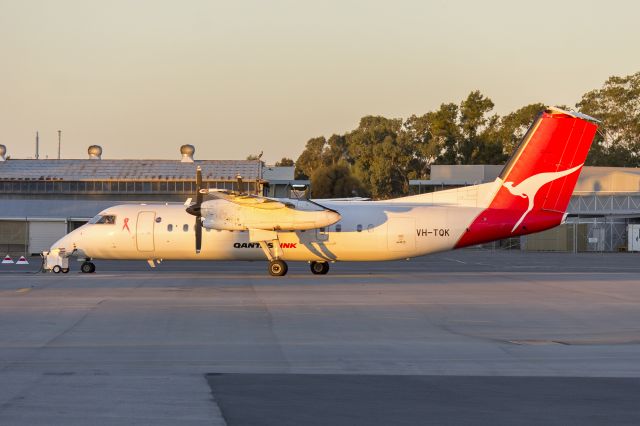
[(319, 268), (271, 247), (88, 267), (278, 268)]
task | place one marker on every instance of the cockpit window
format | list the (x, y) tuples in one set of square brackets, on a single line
[(107, 219)]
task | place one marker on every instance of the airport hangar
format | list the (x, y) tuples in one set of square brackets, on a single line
[(44, 199), (603, 214)]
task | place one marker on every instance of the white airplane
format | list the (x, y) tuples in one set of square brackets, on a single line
[(530, 195)]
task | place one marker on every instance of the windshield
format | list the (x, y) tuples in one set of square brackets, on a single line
[(108, 219)]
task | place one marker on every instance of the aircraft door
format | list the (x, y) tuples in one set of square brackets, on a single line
[(401, 234), (144, 231)]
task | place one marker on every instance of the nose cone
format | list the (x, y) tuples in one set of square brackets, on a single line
[(68, 243), (63, 244)]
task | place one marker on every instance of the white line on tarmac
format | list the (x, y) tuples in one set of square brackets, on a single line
[(454, 260)]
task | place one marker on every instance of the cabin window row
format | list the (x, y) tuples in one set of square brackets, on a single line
[(359, 227), (185, 227), (338, 227)]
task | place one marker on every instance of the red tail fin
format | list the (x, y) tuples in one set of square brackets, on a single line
[(538, 180)]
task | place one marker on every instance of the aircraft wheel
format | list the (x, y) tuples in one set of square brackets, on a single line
[(56, 269), (65, 270), (88, 268), (278, 268), (319, 268)]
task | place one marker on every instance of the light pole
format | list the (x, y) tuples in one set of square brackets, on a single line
[(59, 138)]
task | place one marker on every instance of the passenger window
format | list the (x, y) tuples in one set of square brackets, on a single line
[(169, 227), (359, 228), (370, 227), (158, 219), (338, 228), (185, 227)]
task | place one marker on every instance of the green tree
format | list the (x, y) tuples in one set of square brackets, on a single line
[(285, 162), (374, 149), (512, 127), (617, 104), (335, 181), (336, 150), (444, 133), (311, 158)]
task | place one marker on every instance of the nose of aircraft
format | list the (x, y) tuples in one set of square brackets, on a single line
[(67, 243)]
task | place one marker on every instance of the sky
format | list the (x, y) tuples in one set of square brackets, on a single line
[(142, 77)]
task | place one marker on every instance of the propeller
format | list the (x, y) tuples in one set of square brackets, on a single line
[(195, 209)]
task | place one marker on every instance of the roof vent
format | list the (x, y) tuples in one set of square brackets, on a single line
[(187, 152), (3, 152), (95, 152)]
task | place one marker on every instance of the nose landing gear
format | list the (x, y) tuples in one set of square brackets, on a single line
[(88, 267)]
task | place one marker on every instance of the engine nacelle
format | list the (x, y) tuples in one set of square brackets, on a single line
[(224, 215)]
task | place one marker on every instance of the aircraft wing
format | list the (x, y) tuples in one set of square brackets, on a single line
[(248, 200)]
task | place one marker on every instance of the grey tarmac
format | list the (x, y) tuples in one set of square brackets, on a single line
[(130, 345)]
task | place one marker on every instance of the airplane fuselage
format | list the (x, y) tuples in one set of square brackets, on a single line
[(366, 231)]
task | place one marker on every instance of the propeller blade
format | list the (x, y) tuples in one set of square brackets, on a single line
[(198, 185), (198, 229), (194, 209)]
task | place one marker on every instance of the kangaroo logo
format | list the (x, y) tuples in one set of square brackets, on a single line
[(529, 187)]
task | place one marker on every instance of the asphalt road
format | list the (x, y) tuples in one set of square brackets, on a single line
[(129, 345), (375, 400)]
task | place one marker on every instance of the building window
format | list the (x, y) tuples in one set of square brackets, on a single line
[(170, 227), (359, 228), (185, 227)]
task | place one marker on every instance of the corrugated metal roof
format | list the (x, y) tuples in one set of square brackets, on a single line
[(78, 170)]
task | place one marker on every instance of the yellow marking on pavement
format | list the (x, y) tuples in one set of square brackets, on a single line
[(23, 290)]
